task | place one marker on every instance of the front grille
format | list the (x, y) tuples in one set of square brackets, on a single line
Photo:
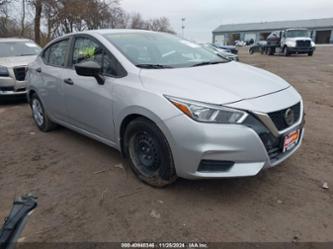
[(278, 117), (20, 73), (21, 90), (303, 44), (215, 166), (272, 144)]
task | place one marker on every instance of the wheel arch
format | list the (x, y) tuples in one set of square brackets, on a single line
[(30, 93), (139, 112)]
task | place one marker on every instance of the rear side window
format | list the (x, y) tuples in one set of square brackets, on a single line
[(55, 55), (86, 49)]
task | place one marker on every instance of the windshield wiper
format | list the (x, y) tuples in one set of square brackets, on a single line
[(204, 63), (153, 66)]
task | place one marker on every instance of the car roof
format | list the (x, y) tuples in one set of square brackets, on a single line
[(15, 39), (108, 31), (100, 32), (118, 31)]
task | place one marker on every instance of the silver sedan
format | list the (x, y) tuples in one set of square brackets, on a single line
[(171, 107)]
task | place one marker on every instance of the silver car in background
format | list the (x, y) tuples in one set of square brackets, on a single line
[(15, 55), (172, 107), (221, 52)]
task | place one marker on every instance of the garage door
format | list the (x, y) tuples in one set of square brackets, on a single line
[(323, 36)]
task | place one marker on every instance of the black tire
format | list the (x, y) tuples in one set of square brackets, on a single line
[(43, 121), (310, 53), (286, 51), (251, 52), (149, 154), (271, 51)]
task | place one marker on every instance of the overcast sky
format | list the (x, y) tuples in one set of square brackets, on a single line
[(202, 16)]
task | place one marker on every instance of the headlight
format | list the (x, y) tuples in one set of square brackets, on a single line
[(208, 113), (4, 71), (291, 43)]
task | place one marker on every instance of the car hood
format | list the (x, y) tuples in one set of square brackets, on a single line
[(217, 84), (16, 61)]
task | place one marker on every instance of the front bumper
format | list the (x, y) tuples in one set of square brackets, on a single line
[(300, 50), (235, 150), (10, 86), (195, 142)]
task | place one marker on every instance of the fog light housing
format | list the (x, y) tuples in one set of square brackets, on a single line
[(4, 72)]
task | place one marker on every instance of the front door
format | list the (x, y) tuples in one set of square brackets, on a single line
[(89, 104)]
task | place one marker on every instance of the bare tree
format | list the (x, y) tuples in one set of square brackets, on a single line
[(52, 18), (119, 19), (160, 24), (5, 22), (137, 22), (23, 17), (37, 6)]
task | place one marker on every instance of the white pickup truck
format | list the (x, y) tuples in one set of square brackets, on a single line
[(290, 41)]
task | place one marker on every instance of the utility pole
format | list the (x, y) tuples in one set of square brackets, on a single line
[(183, 27)]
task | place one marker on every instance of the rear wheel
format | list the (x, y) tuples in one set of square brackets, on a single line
[(149, 153), (39, 115)]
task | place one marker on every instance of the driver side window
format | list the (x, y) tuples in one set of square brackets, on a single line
[(86, 49)]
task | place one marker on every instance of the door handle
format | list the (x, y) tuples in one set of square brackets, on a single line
[(69, 82), (39, 70)]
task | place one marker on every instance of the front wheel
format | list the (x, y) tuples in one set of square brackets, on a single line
[(39, 115), (149, 153), (286, 51), (310, 53)]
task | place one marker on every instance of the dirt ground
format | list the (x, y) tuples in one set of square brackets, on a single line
[(87, 193)]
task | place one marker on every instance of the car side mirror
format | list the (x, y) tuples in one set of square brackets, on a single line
[(90, 69)]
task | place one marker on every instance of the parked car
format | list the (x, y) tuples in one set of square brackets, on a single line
[(170, 106), (240, 43), (15, 55), (229, 49), (259, 47), (290, 41), (221, 52)]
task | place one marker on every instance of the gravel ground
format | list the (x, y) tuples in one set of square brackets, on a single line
[(87, 192)]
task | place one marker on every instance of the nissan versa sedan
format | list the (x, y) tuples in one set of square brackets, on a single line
[(173, 108), (15, 55)]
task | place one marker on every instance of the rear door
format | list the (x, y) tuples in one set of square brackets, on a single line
[(89, 104)]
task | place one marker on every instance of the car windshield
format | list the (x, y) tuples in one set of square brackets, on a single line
[(298, 33), (13, 49), (160, 50)]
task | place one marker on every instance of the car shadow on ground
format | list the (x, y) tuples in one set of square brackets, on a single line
[(239, 185), (12, 101), (212, 187)]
